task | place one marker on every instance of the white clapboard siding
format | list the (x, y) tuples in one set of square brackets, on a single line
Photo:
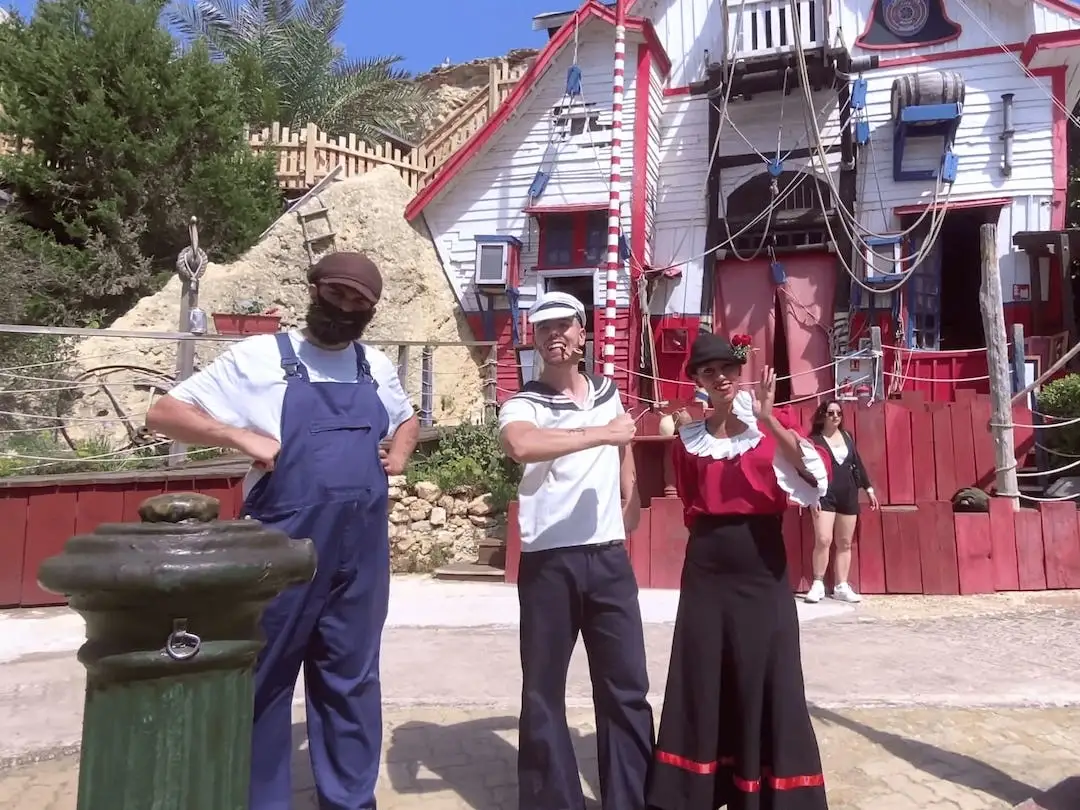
[(978, 146), (489, 195), (679, 233)]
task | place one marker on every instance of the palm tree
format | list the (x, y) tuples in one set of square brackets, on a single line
[(290, 69)]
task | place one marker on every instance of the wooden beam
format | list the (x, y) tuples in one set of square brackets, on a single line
[(752, 159), (1068, 312), (997, 356)]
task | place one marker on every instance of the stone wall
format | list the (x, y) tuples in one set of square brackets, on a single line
[(430, 528)]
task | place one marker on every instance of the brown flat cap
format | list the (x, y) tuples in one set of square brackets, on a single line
[(353, 270)]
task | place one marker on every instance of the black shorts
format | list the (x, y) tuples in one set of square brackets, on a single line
[(844, 502)]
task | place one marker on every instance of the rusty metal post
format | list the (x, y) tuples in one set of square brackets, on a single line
[(172, 608)]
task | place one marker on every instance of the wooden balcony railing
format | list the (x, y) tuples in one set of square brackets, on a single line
[(306, 155), (765, 27)]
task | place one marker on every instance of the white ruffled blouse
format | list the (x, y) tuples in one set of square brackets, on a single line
[(698, 441)]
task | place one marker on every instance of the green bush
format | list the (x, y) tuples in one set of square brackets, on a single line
[(468, 458), (1061, 398)]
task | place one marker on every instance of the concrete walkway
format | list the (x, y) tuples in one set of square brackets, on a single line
[(921, 703)]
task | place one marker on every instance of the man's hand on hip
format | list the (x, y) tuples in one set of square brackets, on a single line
[(262, 449), (390, 462)]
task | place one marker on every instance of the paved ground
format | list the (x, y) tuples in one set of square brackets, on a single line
[(920, 704)]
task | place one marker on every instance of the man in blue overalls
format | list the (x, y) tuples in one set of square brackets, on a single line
[(311, 409)]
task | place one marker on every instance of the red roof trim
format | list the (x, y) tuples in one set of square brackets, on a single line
[(1061, 5), (951, 205), (445, 173), (1054, 39), (570, 208)]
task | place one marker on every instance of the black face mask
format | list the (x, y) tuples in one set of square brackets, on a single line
[(333, 326)]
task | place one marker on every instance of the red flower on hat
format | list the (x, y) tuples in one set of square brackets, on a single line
[(740, 345)]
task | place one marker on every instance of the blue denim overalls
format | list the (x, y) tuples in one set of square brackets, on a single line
[(327, 485)]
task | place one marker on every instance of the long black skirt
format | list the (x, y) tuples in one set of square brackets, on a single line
[(735, 730)]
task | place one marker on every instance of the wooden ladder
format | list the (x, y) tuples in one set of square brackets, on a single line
[(311, 239)]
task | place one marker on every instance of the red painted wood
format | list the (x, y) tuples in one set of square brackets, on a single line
[(871, 553), (963, 444), (1030, 561), (1061, 544), (944, 461), (923, 451), (872, 447), (102, 503), (50, 523), (964, 395), (793, 547), (669, 537), (899, 456), (640, 542), (12, 545), (984, 443), (913, 399), (899, 533), (974, 552), (1023, 433), (937, 542), (513, 544), (1003, 545)]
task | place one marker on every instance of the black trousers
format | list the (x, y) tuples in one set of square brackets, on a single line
[(589, 590)]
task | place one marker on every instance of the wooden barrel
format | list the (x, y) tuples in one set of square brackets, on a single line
[(932, 87)]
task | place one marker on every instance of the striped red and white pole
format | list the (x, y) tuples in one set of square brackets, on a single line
[(614, 260)]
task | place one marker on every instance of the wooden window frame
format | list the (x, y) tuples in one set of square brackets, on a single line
[(579, 226)]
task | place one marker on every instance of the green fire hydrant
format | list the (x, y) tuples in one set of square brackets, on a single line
[(172, 608)]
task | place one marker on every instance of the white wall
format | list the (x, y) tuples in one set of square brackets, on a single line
[(488, 196), (679, 233)]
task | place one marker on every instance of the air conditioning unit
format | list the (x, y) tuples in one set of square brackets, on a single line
[(497, 261)]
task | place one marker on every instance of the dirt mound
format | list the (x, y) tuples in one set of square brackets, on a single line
[(366, 214)]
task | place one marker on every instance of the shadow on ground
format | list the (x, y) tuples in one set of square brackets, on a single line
[(473, 760), (960, 769)]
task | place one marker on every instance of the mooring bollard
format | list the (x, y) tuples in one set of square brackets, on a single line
[(172, 608)]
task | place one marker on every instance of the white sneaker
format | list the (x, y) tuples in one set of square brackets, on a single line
[(845, 593), (816, 592)]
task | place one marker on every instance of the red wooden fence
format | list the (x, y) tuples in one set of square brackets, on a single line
[(39, 515), (918, 455)]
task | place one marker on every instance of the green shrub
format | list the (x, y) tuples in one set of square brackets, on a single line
[(468, 458), (1061, 398)]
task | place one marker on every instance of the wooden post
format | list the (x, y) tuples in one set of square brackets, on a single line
[(189, 300), (491, 391), (997, 359), (1018, 358), (493, 89), (427, 387), (878, 363), (403, 363)]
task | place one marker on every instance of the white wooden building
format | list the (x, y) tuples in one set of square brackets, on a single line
[(773, 174)]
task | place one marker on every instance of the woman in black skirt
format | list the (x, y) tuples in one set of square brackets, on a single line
[(735, 730), (837, 514)]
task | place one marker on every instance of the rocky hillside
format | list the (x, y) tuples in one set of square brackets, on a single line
[(366, 213)]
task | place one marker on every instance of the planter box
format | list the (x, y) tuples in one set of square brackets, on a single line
[(233, 324)]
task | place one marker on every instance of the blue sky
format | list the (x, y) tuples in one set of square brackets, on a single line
[(418, 29)]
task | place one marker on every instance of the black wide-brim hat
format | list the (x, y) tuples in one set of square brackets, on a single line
[(710, 348)]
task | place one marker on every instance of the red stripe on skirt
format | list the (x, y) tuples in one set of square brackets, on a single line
[(745, 785)]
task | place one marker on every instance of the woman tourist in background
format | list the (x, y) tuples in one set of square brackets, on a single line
[(838, 512), (735, 729)]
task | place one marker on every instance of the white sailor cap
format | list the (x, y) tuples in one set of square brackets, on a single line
[(554, 305)]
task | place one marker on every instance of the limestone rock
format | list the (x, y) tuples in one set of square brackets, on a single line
[(419, 510), (481, 505), (437, 516), (427, 491)]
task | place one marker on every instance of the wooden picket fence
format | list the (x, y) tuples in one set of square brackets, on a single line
[(918, 454), (307, 155)]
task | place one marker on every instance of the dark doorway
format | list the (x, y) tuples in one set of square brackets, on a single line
[(581, 287), (961, 325)]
